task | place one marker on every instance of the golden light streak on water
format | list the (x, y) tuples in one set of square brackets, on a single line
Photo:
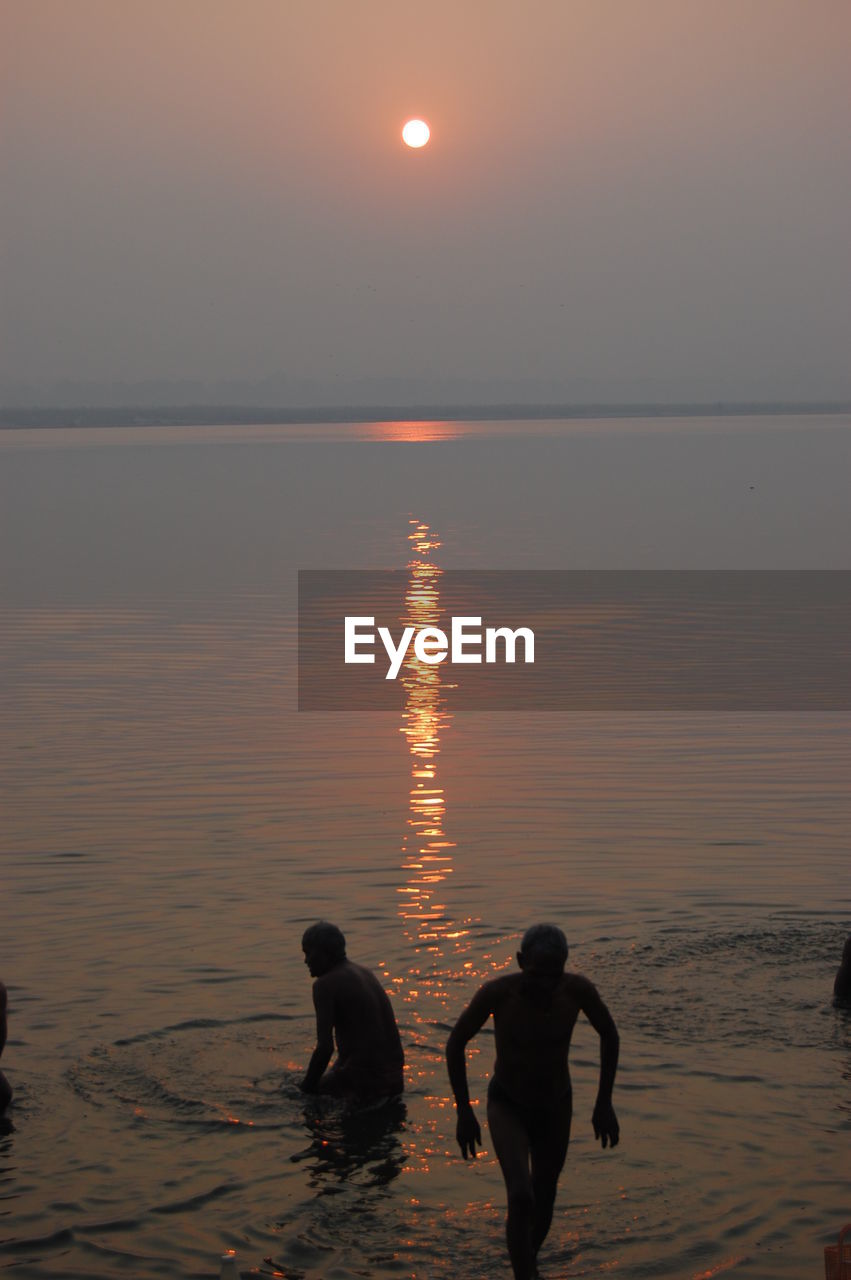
[(426, 849), (438, 982)]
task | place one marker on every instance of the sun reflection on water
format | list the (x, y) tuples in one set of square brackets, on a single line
[(426, 850), (444, 968)]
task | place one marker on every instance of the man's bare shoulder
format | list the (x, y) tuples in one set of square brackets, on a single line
[(361, 973), (334, 979), (493, 992), (346, 980), (578, 983), (579, 988), (499, 989), (585, 996)]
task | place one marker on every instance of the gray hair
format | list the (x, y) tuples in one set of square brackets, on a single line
[(545, 943)]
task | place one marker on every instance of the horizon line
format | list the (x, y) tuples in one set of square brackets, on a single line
[(200, 414)]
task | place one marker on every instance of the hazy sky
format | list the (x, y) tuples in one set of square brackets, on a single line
[(618, 194)]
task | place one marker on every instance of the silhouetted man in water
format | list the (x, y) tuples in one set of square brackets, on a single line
[(842, 982), (529, 1095), (352, 1006), (5, 1087)]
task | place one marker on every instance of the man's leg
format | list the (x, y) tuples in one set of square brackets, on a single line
[(511, 1143), (5, 1093), (548, 1150)]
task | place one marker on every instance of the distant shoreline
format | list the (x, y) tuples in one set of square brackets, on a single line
[(242, 415)]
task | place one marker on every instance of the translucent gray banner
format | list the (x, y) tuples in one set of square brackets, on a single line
[(600, 641)]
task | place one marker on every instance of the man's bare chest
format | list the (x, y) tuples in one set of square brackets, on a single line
[(526, 1027)]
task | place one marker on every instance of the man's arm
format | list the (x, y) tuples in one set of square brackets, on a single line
[(467, 1131), (323, 1003), (603, 1119)]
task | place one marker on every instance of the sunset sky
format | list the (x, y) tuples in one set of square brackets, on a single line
[(619, 200)]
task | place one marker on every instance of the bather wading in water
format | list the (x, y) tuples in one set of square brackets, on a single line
[(353, 1007), (529, 1096), (5, 1087), (842, 982)]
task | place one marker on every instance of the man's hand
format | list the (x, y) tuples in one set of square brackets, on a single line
[(605, 1123), (467, 1131)]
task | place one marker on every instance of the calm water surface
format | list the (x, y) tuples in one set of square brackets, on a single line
[(170, 824)]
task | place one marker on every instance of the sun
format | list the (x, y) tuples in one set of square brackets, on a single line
[(416, 133)]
